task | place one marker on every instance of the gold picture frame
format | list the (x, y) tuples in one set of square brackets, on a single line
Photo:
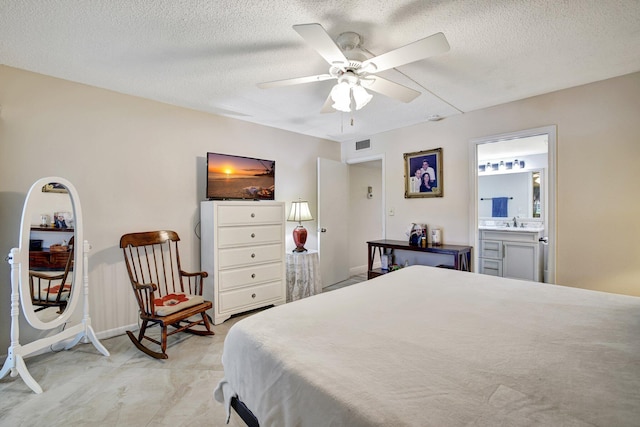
[(54, 187), (416, 166)]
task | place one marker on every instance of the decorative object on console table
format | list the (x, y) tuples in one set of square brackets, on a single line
[(63, 220), (417, 234), (436, 237), (300, 212), (303, 275)]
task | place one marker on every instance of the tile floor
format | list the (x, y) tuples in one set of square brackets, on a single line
[(82, 387)]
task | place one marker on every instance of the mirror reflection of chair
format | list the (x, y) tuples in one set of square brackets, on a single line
[(64, 327), (166, 295), (52, 290)]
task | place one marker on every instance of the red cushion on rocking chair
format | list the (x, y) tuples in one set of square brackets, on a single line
[(175, 302)]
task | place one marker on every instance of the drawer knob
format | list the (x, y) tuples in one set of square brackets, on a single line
[(253, 255), (253, 295), (253, 235), (253, 276), (253, 215)]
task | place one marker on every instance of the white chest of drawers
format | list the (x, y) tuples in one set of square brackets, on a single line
[(242, 249)]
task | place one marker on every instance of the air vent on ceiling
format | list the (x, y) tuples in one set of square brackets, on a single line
[(363, 145)]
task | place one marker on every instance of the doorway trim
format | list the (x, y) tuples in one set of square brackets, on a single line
[(551, 213)]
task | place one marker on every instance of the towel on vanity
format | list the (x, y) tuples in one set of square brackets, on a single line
[(500, 208)]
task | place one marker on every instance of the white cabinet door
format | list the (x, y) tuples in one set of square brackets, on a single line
[(521, 261)]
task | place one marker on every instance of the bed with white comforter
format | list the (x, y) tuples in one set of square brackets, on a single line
[(426, 346)]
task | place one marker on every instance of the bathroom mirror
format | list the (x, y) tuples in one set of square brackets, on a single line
[(536, 199), (51, 220), (30, 257), (522, 189)]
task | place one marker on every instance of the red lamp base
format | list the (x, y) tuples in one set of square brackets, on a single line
[(300, 238)]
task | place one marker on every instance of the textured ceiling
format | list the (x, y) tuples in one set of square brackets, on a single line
[(209, 55)]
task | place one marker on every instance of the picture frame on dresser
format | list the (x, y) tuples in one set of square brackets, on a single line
[(423, 174)]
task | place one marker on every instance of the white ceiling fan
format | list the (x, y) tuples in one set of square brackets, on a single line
[(355, 72)]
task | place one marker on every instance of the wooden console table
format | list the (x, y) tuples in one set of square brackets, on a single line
[(461, 254)]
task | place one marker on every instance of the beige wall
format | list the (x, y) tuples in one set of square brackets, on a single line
[(137, 165), (598, 140)]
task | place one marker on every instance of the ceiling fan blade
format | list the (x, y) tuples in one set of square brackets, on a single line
[(390, 89), (296, 81), (320, 40), (429, 46), (327, 107)]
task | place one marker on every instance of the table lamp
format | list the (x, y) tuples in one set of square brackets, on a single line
[(299, 212)]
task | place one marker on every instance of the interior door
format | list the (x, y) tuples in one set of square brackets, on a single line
[(333, 211)]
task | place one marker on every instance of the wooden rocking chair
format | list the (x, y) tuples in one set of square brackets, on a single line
[(166, 295), (52, 290)]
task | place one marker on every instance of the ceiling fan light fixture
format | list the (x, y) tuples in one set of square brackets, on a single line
[(345, 92), (360, 96), (349, 62), (341, 96)]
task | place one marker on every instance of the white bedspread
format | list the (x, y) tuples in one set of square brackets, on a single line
[(426, 346)]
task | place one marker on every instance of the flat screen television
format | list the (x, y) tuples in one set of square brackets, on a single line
[(240, 178)]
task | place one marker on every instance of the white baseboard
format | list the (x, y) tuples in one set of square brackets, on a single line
[(354, 271), (116, 331)]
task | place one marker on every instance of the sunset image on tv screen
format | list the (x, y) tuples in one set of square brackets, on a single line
[(235, 177)]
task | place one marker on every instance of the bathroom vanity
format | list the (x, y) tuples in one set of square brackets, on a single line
[(511, 252)]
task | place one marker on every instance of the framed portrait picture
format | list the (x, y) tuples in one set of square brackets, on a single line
[(423, 174), (63, 219), (54, 187)]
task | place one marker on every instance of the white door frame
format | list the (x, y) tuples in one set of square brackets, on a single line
[(551, 211)]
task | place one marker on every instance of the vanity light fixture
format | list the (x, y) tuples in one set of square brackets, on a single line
[(501, 166)]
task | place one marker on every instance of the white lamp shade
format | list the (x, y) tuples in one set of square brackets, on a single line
[(299, 212), (341, 96), (344, 92), (360, 96)]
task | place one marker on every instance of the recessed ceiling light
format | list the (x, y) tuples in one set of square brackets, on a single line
[(434, 118)]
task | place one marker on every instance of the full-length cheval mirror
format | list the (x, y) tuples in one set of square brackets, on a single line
[(49, 275)]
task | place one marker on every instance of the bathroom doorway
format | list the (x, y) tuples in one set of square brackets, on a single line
[(524, 159)]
